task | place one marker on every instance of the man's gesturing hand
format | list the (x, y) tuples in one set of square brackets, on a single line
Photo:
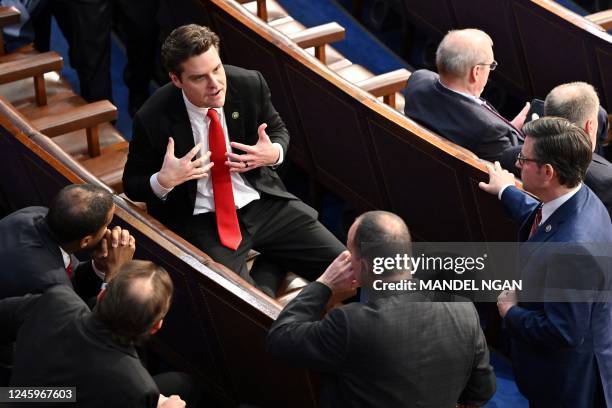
[(264, 153), (176, 171)]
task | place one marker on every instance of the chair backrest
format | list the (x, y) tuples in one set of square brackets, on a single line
[(217, 324)]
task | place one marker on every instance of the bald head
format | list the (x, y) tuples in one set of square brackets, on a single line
[(377, 234), (137, 298), (79, 210), (460, 50), (576, 102)]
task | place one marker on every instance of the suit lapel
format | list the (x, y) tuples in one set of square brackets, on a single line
[(181, 127), (551, 226), (183, 136), (234, 114)]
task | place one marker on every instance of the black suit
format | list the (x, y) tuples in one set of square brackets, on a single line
[(278, 225), (31, 259), (457, 117), (401, 350), (60, 343)]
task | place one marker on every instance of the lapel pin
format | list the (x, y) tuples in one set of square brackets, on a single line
[(235, 115), (548, 228)]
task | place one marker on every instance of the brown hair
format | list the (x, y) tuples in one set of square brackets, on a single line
[(136, 299), (185, 42), (563, 145)]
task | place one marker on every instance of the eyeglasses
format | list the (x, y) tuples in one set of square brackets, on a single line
[(522, 159), (491, 66)]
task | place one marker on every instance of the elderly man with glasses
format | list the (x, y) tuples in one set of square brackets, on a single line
[(449, 102)]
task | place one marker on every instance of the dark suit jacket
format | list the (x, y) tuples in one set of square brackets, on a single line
[(60, 343), (598, 176), (537, 106), (561, 349), (165, 115), (31, 259), (456, 117), (387, 353)]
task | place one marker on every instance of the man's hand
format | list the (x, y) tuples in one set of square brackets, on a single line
[(176, 171), (498, 178), (115, 249), (519, 120), (505, 301), (339, 275), (264, 153), (173, 402)]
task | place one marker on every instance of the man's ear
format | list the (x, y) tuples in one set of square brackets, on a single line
[(474, 73), (590, 127), (549, 172), (84, 242), (156, 327), (176, 80)]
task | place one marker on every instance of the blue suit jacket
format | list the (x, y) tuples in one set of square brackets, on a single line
[(562, 350)]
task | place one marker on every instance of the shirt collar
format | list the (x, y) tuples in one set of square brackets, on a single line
[(550, 207), (467, 95), (196, 110), (65, 257)]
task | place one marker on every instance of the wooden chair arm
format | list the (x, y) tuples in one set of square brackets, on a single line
[(602, 18), (319, 37), (9, 15), (386, 85), (82, 117), (35, 66), (262, 10)]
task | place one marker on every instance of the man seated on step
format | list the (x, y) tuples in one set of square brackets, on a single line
[(203, 157)]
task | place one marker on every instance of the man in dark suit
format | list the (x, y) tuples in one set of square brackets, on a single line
[(212, 111), (37, 244), (561, 336), (450, 104), (61, 343), (577, 102), (386, 352)]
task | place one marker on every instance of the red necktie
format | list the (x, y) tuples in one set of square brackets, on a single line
[(69, 269), (225, 210), (536, 221)]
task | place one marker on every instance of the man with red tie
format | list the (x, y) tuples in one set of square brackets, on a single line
[(37, 244), (202, 156)]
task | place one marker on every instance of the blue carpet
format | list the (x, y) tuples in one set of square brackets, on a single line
[(120, 91)]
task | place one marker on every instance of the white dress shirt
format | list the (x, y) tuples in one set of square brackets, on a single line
[(243, 192), (479, 101)]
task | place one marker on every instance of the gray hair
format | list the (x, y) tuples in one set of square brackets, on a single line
[(575, 101), (460, 50)]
